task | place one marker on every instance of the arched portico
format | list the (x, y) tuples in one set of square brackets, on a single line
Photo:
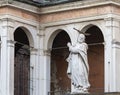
[(95, 43), (27, 33), (22, 63), (24, 59), (57, 66), (59, 53), (101, 47), (99, 39)]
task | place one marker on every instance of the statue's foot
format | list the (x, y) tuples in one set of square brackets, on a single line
[(76, 91), (80, 90)]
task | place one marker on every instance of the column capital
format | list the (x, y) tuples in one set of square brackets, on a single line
[(33, 51), (112, 22), (10, 43), (116, 44), (8, 22), (47, 52)]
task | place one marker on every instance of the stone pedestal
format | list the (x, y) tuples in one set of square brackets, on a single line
[(109, 93)]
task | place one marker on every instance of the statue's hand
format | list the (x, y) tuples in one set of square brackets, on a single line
[(69, 75), (68, 44)]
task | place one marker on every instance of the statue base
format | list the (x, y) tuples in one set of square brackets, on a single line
[(104, 93)]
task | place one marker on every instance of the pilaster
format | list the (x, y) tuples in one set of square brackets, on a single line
[(44, 64), (112, 36), (0, 68), (116, 62), (46, 78), (7, 58), (7, 67), (40, 61), (109, 84), (33, 71), (116, 52), (10, 68)]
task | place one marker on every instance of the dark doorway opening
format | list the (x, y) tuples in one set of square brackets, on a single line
[(96, 59), (22, 63), (59, 79)]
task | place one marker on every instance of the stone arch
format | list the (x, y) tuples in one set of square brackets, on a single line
[(24, 42), (52, 35), (28, 34), (59, 52), (96, 51), (101, 26), (85, 29)]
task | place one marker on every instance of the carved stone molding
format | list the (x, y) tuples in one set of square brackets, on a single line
[(41, 31), (10, 43), (111, 21), (47, 52), (115, 44), (7, 22), (75, 5), (33, 51)]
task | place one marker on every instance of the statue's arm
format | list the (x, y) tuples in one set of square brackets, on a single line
[(78, 48), (74, 49)]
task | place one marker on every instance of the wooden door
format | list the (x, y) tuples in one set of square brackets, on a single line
[(22, 72)]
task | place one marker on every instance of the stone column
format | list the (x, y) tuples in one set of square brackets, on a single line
[(4, 91), (33, 67), (116, 54), (116, 62), (7, 67), (7, 59), (46, 78), (112, 30), (43, 70), (0, 66), (108, 55)]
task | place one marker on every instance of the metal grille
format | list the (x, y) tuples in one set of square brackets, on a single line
[(22, 73)]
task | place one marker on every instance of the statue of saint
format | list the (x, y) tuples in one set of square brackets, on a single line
[(78, 68)]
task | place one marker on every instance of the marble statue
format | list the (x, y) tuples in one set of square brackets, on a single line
[(78, 68)]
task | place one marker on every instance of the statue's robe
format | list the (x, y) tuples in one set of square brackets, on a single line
[(78, 68)]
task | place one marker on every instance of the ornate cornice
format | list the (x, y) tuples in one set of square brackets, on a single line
[(77, 5), (60, 7)]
